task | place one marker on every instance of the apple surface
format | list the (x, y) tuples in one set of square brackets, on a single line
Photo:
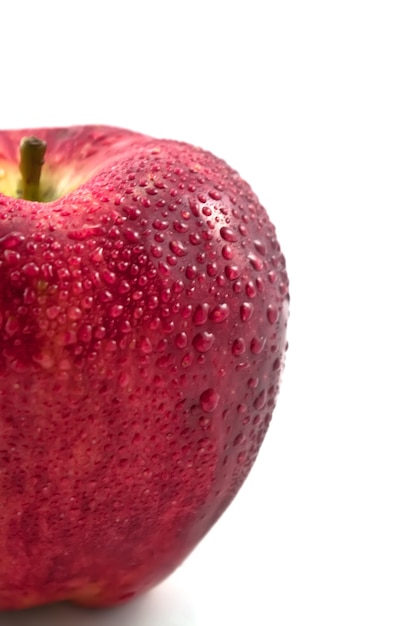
[(143, 313)]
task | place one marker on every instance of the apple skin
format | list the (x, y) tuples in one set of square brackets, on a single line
[(142, 337)]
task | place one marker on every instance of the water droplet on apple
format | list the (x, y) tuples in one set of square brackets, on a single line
[(52, 312), (219, 313), (146, 346), (260, 401), (200, 315), (260, 247), (238, 346), (227, 252), (12, 257), (181, 340), (272, 314), (272, 276), (74, 313), (228, 234), (178, 248), (256, 262), (108, 276), (246, 311), (12, 240), (232, 272), (31, 270), (250, 289), (212, 269), (160, 224), (257, 345), (191, 272), (239, 439), (203, 341), (241, 457), (85, 333), (209, 400), (44, 359), (131, 235)]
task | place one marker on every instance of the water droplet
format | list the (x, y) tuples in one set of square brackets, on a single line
[(124, 379), (195, 239), (219, 313), (272, 276), (116, 310), (232, 272), (11, 240), (132, 212), (86, 233), (106, 296), (212, 269), (156, 251), (180, 227), (241, 457), (191, 272), (124, 287), (215, 194), (260, 247), (52, 312), (227, 252), (257, 345), (200, 315), (283, 288), (238, 347), (260, 284), (260, 400), (160, 224), (44, 359), (203, 341), (256, 262), (31, 270), (108, 276), (74, 313), (246, 311), (239, 439), (99, 332), (187, 360), (181, 340), (131, 235), (12, 257), (125, 327), (250, 289), (145, 345), (11, 326), (272, 314), (178, 248), (85, 333), (209, 400), (228, 234), (204, 421)]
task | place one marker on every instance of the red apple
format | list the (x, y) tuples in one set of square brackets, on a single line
[(143, 313)]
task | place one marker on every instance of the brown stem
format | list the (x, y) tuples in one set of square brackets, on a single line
[(32, 152)]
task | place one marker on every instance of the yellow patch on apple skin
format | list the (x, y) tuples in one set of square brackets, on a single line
[(54, 183), (9, 175)]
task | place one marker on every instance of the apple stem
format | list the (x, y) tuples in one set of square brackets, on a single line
[(32, 152)]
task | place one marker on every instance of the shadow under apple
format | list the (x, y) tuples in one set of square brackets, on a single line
[(163, 606)]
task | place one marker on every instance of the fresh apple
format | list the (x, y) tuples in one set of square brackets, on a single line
[(143, 313)]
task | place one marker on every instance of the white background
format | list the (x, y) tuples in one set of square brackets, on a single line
[(316, 104)]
